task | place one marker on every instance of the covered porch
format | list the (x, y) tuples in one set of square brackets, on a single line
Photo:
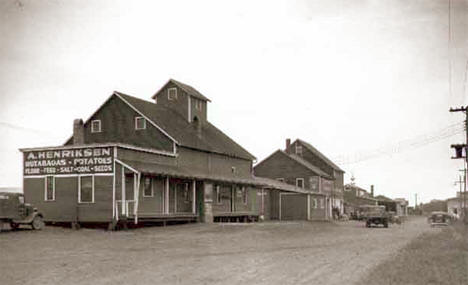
[(150, 192)]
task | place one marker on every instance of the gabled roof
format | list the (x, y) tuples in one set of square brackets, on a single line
[(210, 139), (187, 88), (383, 198), (299, 160), (319, 154), (366, 193)]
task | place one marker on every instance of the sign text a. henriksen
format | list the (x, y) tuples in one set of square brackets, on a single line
[(69, 161)]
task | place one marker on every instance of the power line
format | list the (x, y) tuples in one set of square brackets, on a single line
[(23, 129), (404, 145)]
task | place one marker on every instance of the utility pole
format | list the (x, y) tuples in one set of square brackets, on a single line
[(459, 154), (415, 201), (461, 182)]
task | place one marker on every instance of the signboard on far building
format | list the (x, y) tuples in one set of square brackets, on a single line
[(68, 161), (314, 183), (327, 185)]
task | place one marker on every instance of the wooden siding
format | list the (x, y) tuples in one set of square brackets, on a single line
[(293, 206), (312, 158), (180, 105), (279, 165), (101, 209), (232, 201), (318, 214), (152, 204), (65, 207), (66, 195), (118, 126), (214, 164), (134, 155)]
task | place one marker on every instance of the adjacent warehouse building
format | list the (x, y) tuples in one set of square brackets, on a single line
[(303, 166), (158, 161)]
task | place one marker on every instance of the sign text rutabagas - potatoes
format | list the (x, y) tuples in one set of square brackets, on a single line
[(69, 161)]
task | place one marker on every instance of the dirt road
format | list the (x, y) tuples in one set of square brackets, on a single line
[(263, 253)]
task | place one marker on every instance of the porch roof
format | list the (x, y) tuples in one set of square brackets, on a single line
[(185, 172)]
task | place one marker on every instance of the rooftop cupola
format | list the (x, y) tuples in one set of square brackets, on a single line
[(184, 99)]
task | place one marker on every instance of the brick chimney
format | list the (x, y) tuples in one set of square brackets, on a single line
[(372, 190), (78, 132), (288, 146)]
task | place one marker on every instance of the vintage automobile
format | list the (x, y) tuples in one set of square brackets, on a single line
[(375, 215), (15, 212), (439, 218)]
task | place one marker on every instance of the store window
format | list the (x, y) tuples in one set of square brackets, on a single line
[(49, 194), (86, 189)]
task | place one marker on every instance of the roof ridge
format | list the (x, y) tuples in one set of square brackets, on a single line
[(308, 165), (187, 88), (321, 155), (134, 97)]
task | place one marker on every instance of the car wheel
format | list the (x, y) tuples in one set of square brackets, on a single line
[(37, 223)]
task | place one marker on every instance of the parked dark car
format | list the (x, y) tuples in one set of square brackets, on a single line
[(15, 212), (440, 219)]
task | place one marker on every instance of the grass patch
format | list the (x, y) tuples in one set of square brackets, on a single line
[(432, 258)]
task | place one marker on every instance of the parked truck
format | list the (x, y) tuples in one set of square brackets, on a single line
[(15, 212), (375, 215)]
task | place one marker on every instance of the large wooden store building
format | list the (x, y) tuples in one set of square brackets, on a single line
[(135, 160)]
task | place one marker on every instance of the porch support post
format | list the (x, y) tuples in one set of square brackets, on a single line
[(308, 207), (113, 191), (263, 201), (166, 196), (208, 202), (137, 196), (194, 188), (123, 191)]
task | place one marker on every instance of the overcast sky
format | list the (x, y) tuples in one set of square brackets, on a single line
[(353, 78)]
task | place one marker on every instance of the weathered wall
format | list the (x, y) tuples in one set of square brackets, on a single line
[(66, 195), (180, 105), (133, 155), (279, 165), (317, 213), (232, 200), (153, 204), (214, 164), (65, 207), (312, 158), (118, 126), (293, 206), (101, 209)]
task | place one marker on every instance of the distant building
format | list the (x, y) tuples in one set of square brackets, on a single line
[(402, 206), (434, 205), (302, 165), (455, 205), (355, 197), (11, 189)]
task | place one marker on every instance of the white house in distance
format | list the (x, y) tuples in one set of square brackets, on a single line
[(455, 205)]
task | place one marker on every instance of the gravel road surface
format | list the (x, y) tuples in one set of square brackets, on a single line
[(261, 253)]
